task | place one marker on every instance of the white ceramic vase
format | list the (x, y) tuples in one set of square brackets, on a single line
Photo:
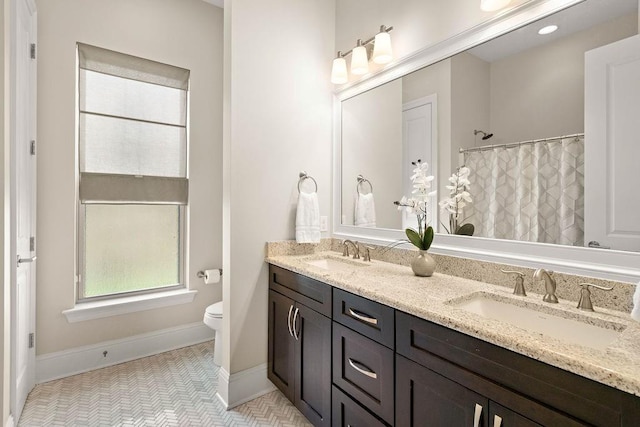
[(423, 265)]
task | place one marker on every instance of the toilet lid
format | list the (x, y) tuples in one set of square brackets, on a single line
[(215, 309)]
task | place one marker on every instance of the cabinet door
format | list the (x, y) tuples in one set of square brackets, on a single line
[(347, 413), (313, 365), (281, 358), (424, 398)]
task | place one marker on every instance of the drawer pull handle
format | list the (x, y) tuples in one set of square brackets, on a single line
[(289, 320), (476, 415), (497, 421), (295, 322), (360, 316), (362, 369)]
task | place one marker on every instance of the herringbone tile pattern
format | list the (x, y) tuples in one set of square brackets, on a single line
[(176, 388)]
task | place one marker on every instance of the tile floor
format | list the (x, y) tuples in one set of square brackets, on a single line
[(176, 388)]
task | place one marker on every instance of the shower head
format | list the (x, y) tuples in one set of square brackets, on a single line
[(485, 135)]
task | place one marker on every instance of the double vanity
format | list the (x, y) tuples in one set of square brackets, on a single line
[(355, 343)]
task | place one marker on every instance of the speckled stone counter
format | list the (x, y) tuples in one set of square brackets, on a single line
[(435, 298)]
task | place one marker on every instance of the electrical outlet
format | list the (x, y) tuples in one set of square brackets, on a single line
[(324, 223)]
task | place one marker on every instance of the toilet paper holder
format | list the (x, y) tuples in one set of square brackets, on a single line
[(200, 274)]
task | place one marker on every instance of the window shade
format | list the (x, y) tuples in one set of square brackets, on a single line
[(110, 188), (131, 67)]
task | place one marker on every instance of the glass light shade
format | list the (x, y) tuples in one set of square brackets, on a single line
[(359, 60), (339, 71), (492, 5), (382, 48)]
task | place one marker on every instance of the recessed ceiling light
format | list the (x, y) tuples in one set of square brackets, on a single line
[(548, 29)]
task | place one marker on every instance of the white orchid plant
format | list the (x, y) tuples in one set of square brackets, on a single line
[(458, 198), (418, 204)]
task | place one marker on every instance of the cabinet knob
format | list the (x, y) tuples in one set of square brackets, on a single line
[(294, 323), (362, 369), (362, 317), (289, 320), (497, 421)]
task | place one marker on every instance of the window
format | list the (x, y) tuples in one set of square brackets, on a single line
[(133, 187)]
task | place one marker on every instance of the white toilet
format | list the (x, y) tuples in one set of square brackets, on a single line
[(213, 319)]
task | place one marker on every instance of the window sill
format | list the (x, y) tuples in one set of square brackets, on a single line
[(117, 306)]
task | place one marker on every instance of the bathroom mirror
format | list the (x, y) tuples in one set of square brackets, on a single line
[(514, 105)]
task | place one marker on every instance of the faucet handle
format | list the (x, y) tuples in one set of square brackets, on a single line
[(519, 288), (367, 254), (356, 249), (585, 295)]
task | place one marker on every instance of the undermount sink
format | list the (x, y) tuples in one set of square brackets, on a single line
[(537, 319), (336, 264)]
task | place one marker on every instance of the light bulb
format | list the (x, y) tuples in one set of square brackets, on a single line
[(359, 60), (547, 30), (382, 48), (339, 70), (493, 5)]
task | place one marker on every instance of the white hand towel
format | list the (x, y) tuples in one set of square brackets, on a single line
[(635, 313), (308, 218), (365, 211)]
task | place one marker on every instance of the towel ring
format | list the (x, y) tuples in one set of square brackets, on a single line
[(361, 180), (304, 176)]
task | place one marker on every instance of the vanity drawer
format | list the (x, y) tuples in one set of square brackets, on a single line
[(365, 370), (372, 319), (312, 293), (346, 412)]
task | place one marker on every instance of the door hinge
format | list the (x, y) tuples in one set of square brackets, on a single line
[(33, 51), (32, 244), (32, 147), (31, 340)]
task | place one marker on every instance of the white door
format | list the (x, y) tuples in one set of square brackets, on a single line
[(612, 151), (23, 190), (419, 127)]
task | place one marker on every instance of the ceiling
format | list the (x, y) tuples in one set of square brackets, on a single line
[(573, 19)]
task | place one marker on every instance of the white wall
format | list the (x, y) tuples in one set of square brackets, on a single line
[(372, 146), (278, 114), (535, 94), (470, 89), (185, 33)]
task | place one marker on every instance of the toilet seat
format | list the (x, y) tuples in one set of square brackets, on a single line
[(214, 310)]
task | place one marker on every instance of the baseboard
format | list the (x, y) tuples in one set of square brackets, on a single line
[(243, 386), (65, 363), (10, 422)]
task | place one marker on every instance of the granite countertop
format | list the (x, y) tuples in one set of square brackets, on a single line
[(434, 299)]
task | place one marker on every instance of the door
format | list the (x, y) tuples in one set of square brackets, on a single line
[(281, 357), (424, 398), (312, 333), (419, 125), (23, 202), (611, 172)]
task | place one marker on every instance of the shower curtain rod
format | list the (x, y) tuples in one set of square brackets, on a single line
[(517, 144)]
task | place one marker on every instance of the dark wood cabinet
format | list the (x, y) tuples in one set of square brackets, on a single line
[(424, 398), (376, 366), (299, 348), (364, 369), (346, 412)]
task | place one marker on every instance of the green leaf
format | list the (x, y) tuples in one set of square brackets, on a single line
[(428, 238), (414, 237), (466, 230)]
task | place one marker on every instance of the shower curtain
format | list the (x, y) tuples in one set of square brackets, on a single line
[(532, 192)]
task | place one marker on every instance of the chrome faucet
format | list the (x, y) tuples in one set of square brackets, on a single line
[(356, 250), (549, 284), (367, 252)]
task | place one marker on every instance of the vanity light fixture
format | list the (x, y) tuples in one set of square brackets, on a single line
[(493, 5), (547, 30), (382, 54)]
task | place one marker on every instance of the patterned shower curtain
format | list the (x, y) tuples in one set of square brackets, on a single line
[(532, 192)]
